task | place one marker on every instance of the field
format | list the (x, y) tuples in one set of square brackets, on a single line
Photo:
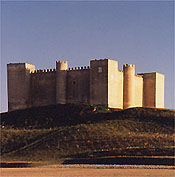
[(77, 134)]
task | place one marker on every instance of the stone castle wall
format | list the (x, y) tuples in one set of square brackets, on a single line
[(78, 86), (100, 83), (138, 94), (19, 86), (43, 89), (160, 90), (115, 85)]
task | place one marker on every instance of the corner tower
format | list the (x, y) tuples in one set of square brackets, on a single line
[(18, 80), (61, 81), (153, 90)]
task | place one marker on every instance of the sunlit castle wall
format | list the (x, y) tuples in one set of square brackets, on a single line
[(115, 85), (138, 93)]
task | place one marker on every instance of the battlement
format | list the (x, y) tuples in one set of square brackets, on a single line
[(100, 59), (62, 62), (42, 71), (79, 68), (128, 66)]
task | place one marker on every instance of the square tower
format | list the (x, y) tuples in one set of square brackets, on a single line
[(153, 90), (106, 83), (18, 75)]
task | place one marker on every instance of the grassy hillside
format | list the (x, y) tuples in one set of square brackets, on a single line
[(61, 132)]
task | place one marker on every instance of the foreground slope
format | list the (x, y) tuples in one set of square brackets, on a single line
[(85, 132)]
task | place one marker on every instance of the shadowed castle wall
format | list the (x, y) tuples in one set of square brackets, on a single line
[(78, 85), (99, 82), (149, 89), (18, 75), (61, 81), (43, 88), (153, 90)]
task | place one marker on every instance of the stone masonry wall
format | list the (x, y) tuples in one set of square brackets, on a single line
[(115, 85), (138, 97), (78, 86), (99, 82), (18, 76), (160, 90), (149, 89), (43, 88)]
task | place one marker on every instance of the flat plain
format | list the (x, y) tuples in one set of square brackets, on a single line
[(90, 170)]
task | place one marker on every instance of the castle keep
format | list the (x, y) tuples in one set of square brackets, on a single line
[(100, 83)]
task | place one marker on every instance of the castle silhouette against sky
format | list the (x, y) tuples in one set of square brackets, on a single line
[(100, 83)]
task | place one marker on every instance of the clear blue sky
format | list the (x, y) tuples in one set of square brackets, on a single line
[(140, 33)]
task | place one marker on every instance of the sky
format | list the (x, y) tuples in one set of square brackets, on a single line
[(131, 32)]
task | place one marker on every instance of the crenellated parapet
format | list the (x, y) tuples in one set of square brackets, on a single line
[(128, 66), (43, 71), (62, 62), (79, 68), (101, 59)]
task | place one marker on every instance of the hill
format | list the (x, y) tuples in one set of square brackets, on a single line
[(72, 114), (59, 133)]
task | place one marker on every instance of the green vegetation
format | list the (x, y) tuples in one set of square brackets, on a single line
[(61, 132)]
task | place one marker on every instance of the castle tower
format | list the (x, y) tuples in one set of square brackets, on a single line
[(128, 86), (99, 82), (106, 83), (61, 80), (18, 75), (153, 90)]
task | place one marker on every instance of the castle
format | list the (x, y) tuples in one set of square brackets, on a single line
[(100, 83)]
